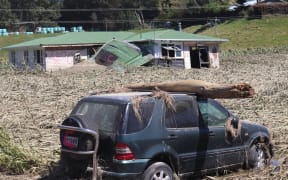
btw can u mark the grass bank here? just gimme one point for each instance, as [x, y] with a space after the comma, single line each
[267, 32]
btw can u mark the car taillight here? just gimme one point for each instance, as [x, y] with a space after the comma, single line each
[123, 152]
[69, 140]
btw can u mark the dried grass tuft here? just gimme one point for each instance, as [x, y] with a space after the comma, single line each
[168, 100]
[136, 101]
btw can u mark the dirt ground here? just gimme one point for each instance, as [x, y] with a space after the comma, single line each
[33, 104]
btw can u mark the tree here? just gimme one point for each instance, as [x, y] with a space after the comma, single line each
[6, 16]
[31, 13]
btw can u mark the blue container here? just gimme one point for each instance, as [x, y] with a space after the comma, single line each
[79, 28]
[28, 33]
[73, 29]
[44, 32]
[63, 29]
[1, 30]
[5, 33]
[4, 30]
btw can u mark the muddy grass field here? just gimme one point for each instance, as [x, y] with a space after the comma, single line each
[33, 104]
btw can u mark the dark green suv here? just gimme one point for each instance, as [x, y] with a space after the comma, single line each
[141, 135]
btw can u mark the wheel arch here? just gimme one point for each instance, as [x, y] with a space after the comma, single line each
[258, 138]
[168, 158]
[262, 139]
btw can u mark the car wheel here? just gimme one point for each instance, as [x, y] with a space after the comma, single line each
[257, 156]
[158, 171]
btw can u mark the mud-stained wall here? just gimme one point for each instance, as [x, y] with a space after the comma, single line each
[61, 59]
[214, 56]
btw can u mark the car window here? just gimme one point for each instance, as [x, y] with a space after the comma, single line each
[100, 116]
[135, 123]
[212, 113]
[185, 115]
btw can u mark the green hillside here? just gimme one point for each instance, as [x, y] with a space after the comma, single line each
[268, 32]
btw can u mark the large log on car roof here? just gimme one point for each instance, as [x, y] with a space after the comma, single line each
[201, 88]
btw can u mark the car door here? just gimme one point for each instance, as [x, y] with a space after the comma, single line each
[183, 134]
[224, 151]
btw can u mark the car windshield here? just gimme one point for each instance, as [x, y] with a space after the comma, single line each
[100, 116]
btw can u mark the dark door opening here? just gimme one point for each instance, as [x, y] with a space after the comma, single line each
[199, 57]
[194, 57]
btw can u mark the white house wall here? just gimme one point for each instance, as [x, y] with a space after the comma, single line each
[213, 52]
[214, 56]
[61, 59]
[187, 58]
[157, 50]
[19, 57]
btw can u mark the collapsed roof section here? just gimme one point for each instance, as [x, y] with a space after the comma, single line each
[119, 55]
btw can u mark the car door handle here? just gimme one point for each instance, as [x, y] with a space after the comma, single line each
[172, 136]
[211, 133]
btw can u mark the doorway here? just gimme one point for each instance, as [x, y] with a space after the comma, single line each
[199, 56]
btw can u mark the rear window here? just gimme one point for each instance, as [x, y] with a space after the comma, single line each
[100, 116]
[137, 121]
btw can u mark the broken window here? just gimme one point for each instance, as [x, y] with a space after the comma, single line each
[38, 59]
[171, 50]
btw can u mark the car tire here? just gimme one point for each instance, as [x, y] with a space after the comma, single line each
[158, 170]
[257, 156]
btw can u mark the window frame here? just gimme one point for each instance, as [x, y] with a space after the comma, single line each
[38, 60]
[194, 106]
[217, 106]
[172, 48]
[151, 104]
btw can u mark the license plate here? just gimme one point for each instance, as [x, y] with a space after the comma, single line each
[70, 141]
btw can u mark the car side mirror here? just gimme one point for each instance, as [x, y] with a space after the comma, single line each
[235, 122]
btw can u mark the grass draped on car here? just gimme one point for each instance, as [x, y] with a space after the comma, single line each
[12, 159]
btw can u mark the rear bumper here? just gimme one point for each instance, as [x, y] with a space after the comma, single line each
[127, 169]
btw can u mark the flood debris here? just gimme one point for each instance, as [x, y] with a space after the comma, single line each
[168, 100]
[120, 55]
[201, 88]
[232, 131]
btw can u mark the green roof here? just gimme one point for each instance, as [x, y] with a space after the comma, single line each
[82, 38]
[75, 38]
[172, 35]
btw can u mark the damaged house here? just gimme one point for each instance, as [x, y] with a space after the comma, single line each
[167, 47]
